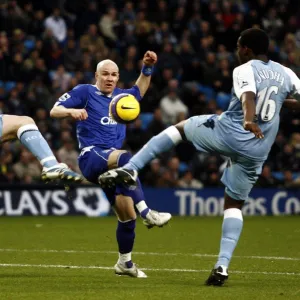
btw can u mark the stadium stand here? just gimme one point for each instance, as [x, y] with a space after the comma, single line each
[48, 47]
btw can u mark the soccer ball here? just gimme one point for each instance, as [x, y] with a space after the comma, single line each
[124, 108]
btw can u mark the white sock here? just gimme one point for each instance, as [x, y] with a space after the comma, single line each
[124, 257]
[141, 206]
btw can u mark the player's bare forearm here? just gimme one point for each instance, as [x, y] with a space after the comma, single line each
[291, 104]
[143, 82]
[60, 112]
[63, 112]
[248, 102]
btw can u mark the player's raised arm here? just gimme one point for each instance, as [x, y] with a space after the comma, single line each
[143, 82]
[71, 104]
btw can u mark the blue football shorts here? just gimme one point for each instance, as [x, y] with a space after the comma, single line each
[241, 173]
[93, 161]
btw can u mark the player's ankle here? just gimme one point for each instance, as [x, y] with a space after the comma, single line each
[129, 264]
[145, 212]
[142, 208]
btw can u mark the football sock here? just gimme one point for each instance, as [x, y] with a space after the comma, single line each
[142, 208]
[231, 230]
[137, 195]
[33, 140]
[125, 238]
[158, 144]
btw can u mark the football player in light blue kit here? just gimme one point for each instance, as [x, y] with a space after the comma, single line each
[244, 133]
[24, 128]
[100, 139]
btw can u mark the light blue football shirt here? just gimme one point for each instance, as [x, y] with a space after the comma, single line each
[272, 83]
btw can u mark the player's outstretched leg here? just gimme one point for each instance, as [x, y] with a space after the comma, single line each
[128, 174]
[150, 217]
[231, 230]
[25, 129]
[125, 238]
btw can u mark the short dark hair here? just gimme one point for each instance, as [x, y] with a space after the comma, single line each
[255, 39]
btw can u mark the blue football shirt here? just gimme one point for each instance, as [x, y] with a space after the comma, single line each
[99, 129]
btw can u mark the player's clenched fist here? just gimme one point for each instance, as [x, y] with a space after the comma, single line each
[150, 58]
[254, 128]
[79, 114]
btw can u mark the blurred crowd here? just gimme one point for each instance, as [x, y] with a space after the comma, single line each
[48, 47]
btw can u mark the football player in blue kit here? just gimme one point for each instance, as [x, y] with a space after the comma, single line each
[244, 133]
[100, 139]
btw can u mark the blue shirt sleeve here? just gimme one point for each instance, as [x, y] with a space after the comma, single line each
[76, 98]
[135, 91]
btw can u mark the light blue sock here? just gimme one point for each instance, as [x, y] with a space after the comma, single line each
[158, 144]
[231, 230]
[33, 140]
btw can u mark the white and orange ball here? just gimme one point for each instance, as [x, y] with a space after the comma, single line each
[124, 108]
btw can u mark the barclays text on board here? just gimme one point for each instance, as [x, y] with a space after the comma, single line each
[91, 201]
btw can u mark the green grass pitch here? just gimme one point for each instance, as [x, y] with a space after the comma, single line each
[72, 258]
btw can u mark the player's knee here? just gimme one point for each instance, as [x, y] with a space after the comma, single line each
[180, 128]
[124, 158]
[13, 125]
[23, 124]
[25, 120]
[128, 212]
[125, 215]
[232, 203]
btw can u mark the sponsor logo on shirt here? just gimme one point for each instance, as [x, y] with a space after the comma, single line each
[107, 121]
[242, 83]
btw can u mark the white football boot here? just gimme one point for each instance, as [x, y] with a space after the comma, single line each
[134, 271]
[60, 171]
[155, 218]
